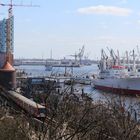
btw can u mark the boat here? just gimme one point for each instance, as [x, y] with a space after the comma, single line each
[48, 68]
[49, 65]
[114, 77]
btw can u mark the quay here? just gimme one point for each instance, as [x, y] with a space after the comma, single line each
[53, 62]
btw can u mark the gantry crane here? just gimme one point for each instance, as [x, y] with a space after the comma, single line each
[9, 55]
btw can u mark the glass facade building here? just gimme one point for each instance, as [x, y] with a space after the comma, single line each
[3, 35]
[6, 39]
[4, 31]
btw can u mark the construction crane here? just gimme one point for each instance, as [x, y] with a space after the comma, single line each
[11, 5]
[9, 56]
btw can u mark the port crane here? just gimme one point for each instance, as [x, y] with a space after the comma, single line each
[115, 58]
[9, 55]
[138, 50]
[103, 63]
[79, 55]
[75, 56]
[86, 56]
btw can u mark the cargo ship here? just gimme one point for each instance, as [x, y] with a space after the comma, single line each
[115, 77]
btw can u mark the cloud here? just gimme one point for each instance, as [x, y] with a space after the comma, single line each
[106, 10]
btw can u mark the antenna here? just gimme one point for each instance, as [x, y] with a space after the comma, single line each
[9, 56]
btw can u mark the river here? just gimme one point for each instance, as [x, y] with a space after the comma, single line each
[81, 71]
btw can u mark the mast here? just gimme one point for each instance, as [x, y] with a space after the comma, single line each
[134, 61]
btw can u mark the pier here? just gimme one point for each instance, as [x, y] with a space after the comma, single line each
[53, 63]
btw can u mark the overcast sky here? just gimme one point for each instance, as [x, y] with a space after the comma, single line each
[65, 25]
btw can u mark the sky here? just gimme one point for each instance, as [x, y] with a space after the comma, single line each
[64, 26]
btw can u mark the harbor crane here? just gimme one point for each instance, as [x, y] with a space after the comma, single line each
[9, 56]
[114, 56]
[138, 50]
[86, 56]
[79, 55]
[103, 63]
[75, 56]
[103, 55]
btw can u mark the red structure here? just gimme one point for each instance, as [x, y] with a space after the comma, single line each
[8, 76]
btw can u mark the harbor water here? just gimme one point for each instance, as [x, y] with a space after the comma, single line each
[39, 70]
[81, 72]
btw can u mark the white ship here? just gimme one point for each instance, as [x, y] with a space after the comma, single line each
[115, 77]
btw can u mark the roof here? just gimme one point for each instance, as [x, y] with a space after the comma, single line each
[26, 100]
[7, 67]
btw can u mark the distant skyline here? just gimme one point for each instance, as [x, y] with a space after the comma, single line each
[64, 26]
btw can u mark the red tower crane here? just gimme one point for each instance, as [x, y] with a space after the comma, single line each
[9, 55]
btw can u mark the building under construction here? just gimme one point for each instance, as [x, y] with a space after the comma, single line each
[6, 40]
[7, 72]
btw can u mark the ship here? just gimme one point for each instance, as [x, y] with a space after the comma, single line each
[48, 68]
[116, 77]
